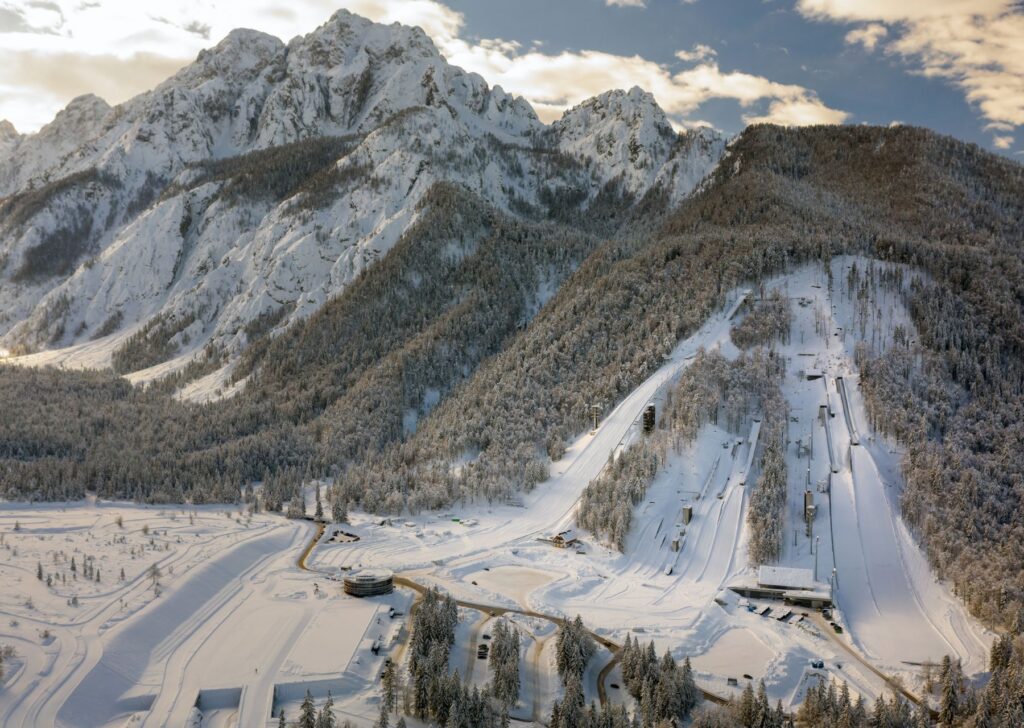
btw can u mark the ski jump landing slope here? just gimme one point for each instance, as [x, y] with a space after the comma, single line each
[896, 610]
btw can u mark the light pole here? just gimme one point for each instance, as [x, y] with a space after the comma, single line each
[817, 547]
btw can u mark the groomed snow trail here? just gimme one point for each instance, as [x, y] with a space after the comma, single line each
[140, 647]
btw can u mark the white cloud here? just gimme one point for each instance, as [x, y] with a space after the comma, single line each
[47, 81]
[1002, 142]
[53, 51]
[104, 39]
[554, 82]
[698, 53]
[977, 45]
[801, 111]
[626, 3]
[867, 35]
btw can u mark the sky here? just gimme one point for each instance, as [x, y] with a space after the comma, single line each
[956, 66]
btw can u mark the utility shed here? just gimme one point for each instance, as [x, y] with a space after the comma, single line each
[781, 577]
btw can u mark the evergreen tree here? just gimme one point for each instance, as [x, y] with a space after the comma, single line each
[389, 688]
[307, 712]
[339, 513]
[952, 678]
[504, 663]
[326, 717]
[574, 648]
[688, 688]
[747, 705]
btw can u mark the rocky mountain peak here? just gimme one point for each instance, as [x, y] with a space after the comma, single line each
[240, 57]
[627, 136]
[82, 112]
[9, 137]
[7, 130]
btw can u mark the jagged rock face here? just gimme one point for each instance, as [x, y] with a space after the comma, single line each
[114, 216]
[9, 138]
[351, 75]
[251, 91]
[627, 136]
[28, 157]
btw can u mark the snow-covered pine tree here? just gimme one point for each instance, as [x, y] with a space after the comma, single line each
[307, 712]
[389, 687]
[325, 719]
[339, 513]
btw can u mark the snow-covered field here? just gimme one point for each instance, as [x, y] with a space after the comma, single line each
[231, 629]
[228, 622]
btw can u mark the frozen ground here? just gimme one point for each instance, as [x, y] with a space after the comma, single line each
[232, 630]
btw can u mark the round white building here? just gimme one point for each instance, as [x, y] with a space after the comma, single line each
[369, 583]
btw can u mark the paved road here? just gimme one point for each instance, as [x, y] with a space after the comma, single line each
[496, 611]
[896, 686]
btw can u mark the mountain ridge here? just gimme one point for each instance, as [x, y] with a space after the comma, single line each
[130, 250]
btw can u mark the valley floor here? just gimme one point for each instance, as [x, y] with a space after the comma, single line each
[232, 628]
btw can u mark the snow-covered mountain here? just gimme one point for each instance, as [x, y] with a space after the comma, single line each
[262, 178]
[626, 135]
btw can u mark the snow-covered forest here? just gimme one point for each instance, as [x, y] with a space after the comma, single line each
[770, 319]
[606, 506]
[712, 389]
[948, 398]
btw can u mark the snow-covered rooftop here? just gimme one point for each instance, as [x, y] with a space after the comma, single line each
[786, 577]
